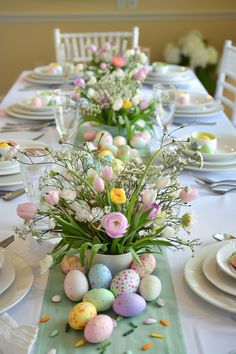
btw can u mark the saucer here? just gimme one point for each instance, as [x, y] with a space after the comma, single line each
[222, 258]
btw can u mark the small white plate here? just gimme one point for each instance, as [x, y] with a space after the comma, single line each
[42, 71]
[226, 149]
[11, 111]
[216, 276]
[173, 71]
[198, 101]
[222, 258]
[1, 257]
[25, 104]
[21, 285]
[7, 273]
[201, 286]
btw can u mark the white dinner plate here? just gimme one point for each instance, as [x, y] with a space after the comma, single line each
[14, 113]
[169, 80]
[42, 71]
[1, 257]
[212, 110]
[201, 286]
[173, 71]
[7, 273]
[12, 170]
[36, 80]
[39, 114]
[222, 258]
[226, 149]
[25, 104]
[21, 285]
[213, 168]
[216, 276]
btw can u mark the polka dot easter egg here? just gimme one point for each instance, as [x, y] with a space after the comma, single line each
[99, 276]
[80, 314]
[98, 329]
[126, 281]
[147, 267]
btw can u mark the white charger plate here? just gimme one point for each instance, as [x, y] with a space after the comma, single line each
[21, 285]
[7, 273]
[201, 286]
[1, 257]
[226, 149]
[14, 113]
[216, 276]
[222, 258]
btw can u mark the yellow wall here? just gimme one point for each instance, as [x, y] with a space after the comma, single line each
[26, 26]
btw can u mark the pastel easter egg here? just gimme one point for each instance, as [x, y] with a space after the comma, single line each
[126, 281]
[80, 315]
[75, 285]
[129, 304]
[89, 135]
[150, 287]
[137, 142]
[98, 329]
[106, 154]
[102, 299]
[119, 141]
[99, 276]
[112, 148]
[72, 263]
[36, 102]
[103, 137]
[124, 153]
[147, 266]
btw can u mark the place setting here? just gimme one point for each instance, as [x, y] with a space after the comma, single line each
[211, 274]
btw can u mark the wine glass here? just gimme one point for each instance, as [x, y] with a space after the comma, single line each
[165, 97]
[66, 113]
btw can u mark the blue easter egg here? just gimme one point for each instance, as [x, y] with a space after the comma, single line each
[99, 276]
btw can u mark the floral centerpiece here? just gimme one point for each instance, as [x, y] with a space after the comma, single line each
[194, 51]
[109, 207]
[116, 101]
[133, 62]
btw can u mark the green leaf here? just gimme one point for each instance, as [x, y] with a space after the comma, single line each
[83, 250]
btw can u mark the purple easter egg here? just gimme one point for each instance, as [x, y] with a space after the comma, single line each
[129, 304]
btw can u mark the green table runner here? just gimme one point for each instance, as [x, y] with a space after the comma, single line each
[64, 341]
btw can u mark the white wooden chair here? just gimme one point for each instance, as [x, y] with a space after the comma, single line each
[73, 47]
[226, 82]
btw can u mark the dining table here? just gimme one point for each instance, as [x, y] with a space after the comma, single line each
[208, 328]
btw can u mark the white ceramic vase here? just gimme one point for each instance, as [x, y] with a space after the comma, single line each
[115, 263]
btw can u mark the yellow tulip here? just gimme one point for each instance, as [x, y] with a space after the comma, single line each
[127, 104]
[118, 195]
[3, 144]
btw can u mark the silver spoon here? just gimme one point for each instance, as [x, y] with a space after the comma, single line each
[223, 237]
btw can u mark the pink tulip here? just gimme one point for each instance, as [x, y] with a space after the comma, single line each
[154, 211]
[92, 48]
[26, 211]
[118, 61]
[149, 197]
[80, 82]
[103, 66]
[141, 74]
[143, 104]
[52, 197]
[115, 224]
[107, 173]
[188, 195]
[98, 184]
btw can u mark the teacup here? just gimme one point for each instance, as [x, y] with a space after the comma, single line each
[207, 142]
[159, 67]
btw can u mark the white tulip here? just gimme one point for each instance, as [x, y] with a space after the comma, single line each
[117, 105]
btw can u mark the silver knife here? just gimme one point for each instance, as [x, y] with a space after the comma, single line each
[7, 241]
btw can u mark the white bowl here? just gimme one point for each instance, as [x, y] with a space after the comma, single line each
[222, 258]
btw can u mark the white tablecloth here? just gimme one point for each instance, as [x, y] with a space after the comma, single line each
[206, 328]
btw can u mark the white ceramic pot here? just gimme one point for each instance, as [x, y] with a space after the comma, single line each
[115, 263]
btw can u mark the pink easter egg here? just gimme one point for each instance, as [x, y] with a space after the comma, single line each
[148, 264]
[72, 263]
[90, 135]
[36, 102]
[98, 329]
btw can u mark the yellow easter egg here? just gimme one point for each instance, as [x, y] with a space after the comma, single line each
[80, 314]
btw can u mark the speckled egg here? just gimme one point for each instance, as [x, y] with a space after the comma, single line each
[72, 263]
[80, 314]
[98, 329]
[75, 285]
[150, 287]
[148, 264]
[126, 281]
[124, 153]
[99, 276]
[102, 299]
[119, 141]
[129, 304]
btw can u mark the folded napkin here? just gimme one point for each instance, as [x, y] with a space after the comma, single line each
[15, 339]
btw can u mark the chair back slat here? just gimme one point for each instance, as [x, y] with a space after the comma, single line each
[226, 82]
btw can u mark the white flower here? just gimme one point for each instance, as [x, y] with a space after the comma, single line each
[143, 58]
[163, 182]
[117, 105]
[129, 53]
[45, 264]
[141, 123]
[212, 55]
[91, 172]
[135, 100]
[92, 81]
[91, 146]
[79, 67]
[121, 120]
[91, 92]
[68, 194]
[119, 73]
[83, 215]
[188, 220]
[172, 54]
[169, 232]
[149, 197]
[199, 58]
[107, 209]
[190, 44]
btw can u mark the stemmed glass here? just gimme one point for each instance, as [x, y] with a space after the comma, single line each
[66, 113]
[165, 97]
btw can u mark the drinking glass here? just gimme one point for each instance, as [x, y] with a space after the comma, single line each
[165, 97]
[66, 113]
[33, 159]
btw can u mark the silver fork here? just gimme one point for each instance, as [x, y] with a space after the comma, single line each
[211, 182]
[32, 128]
[193, 123]
[216, 191]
